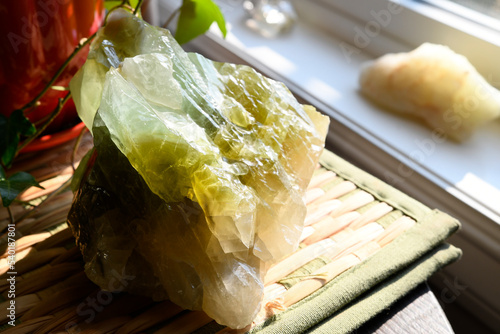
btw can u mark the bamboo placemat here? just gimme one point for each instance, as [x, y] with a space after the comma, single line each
[351, 218]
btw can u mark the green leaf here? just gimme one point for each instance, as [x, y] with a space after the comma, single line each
[11, 187]
[109, 4]
[21, 123]
[4, 136]
[11, 130]
[196, 17]
[133, 3]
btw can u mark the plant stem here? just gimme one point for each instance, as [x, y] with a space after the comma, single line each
[33, 102]
[11, 216]
[53, 115]
[138, 7]
[171, 17]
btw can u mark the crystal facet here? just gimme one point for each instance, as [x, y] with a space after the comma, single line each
[195, 186]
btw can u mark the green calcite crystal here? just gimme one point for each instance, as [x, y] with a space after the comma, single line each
[196, 183]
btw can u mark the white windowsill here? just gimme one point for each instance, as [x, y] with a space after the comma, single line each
[312, 61]
[462, 179]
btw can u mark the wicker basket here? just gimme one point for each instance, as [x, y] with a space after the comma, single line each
[362, 239]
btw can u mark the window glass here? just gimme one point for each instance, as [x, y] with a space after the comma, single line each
[487, 7]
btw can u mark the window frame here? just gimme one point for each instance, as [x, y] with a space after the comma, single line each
[357, 21]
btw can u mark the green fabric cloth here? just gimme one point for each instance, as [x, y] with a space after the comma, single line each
[363, 291]
[385, 294]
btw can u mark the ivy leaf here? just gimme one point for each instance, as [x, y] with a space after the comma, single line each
[21, 123]
[14, 185]
[196, 16]
[11, 130]
[109, 4]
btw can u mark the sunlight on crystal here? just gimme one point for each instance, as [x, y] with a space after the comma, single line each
[189, 152]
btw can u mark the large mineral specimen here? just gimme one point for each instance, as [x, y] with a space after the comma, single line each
[435, 84]
[196, 182]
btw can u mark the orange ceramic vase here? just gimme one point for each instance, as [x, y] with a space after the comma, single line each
[36, 37]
